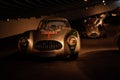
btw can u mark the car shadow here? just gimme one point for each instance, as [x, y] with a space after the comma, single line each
[17, 56]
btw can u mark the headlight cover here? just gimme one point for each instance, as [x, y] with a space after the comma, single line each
[23, 43]
[72, 40]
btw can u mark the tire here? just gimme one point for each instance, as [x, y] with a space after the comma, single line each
[74, 56]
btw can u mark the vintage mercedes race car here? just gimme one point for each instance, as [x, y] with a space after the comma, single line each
[53, 37]
[94, 28]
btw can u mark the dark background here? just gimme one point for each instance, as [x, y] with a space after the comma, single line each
[99, 59]
[17, 16]
[71, 9]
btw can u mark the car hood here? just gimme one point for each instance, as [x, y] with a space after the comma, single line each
[50, 35]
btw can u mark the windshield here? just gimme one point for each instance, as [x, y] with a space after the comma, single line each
[53, 25]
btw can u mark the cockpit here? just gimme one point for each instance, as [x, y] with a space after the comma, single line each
[53, 25]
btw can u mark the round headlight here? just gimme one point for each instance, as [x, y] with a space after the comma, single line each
[23, 43]
[72, 40]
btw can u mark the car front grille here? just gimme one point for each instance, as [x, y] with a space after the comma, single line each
[48, 45]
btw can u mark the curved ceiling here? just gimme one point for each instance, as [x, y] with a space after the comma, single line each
[23, 8]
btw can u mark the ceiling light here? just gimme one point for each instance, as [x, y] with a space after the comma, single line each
[85, 0]
[8, 20]
[86, 8]
[103, 1]
[85, 21]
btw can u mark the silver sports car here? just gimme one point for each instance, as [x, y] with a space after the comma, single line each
[53, 37]
[94, 27]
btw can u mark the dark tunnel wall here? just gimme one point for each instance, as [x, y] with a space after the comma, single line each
[13, 26]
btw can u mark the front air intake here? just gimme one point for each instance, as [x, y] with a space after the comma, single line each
[46, 45]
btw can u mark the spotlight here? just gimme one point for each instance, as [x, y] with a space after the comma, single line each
[86, 8]
[103, 1]
[85, 0]
[8, 20]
